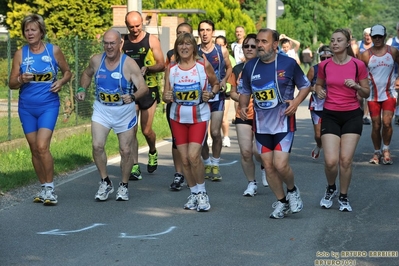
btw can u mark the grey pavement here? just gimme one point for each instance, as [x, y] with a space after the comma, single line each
[152, 228]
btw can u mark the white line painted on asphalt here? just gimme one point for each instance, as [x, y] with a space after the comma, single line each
[152, 236]
[230, 163]
[57, 232]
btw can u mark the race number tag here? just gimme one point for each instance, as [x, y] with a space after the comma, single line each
[187, 94]
[266, 97]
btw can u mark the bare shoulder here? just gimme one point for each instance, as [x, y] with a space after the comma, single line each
[154, 41]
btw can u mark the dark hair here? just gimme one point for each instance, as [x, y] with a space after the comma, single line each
[284, 41]
[275, 34]
[223, 38]
[34, 18]
[347, 35]
[248, 37]
[185, 37]
[186, 25]
[207, 21]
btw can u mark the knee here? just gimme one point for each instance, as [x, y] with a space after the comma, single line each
[246, 155]
[98, 148]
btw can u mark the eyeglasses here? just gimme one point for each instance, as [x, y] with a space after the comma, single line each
[246, 46]
[112, 44]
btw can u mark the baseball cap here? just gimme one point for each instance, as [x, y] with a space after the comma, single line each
[378, 30]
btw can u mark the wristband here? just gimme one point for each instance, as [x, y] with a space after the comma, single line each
[19, 80]
[81, 89]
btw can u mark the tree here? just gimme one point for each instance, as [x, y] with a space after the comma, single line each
[226, 14]
[85, 19]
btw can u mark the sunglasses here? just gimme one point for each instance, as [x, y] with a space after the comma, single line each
[324, 58]
[246, 46]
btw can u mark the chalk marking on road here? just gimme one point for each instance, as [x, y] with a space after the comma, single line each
[152, 236]
[57, 232]
[230, 163]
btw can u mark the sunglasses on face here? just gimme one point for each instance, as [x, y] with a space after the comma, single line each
[324, 58]
[246, 46]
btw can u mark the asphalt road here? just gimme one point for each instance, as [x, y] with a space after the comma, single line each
[152, 228]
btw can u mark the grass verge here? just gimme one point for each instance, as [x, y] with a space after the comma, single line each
[69, 154]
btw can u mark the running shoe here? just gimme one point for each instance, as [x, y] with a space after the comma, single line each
[316, 152]
[280, 210]
[209, 141]
[344, 204]
[178, 182]
[386, 157]
[39, 197]
[191, 203]
[376, 158]
[327, 200]
[264, 180]
[216, 173]
[122, 193]
[136, 173]
[203, 202]
[295, 201]
[152, 162]
[103, 191]
[251, 189]
[208, 170]
[50, 197]
[226, 142]
[366, 121]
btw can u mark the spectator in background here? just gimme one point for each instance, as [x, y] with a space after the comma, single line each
[290, 47]
[236, 47]
[221, 40]
[34, 73]
[394, 42]
[307, 57]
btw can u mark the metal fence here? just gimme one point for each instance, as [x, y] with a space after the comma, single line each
[77, 53]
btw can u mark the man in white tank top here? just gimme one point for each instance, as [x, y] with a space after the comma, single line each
[380, 60]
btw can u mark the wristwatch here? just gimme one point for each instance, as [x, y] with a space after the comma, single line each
[214, 94]
[133, 97]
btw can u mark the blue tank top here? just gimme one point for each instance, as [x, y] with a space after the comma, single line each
[44, 68]
[111, 84]
[396, 45]
[216, 59]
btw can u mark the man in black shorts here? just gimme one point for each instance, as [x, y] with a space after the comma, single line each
[145, 49]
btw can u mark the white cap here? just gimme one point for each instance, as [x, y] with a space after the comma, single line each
[378, 30]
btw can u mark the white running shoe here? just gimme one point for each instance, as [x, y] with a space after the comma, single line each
[344, 205]
[226, 142]
[50, 198]
[295, 201]
[264, 180]
[39, 197]
[103, 191]
[122, 193]
[203, 202]
[327, 200]
[316, 152]
[191, 203]
[280, 210]
[251, 189]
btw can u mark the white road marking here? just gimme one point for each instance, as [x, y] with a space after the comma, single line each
[57, 232]
[152, 236]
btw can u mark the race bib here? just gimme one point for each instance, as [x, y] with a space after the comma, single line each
[267, 96]
[187, 94]
[109, 97]
[43, 77]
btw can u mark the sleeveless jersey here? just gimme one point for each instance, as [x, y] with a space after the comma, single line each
[315, 103]
[381, 76]
[395, 43]
[44, 68]
[270, 85]
[188, 85]
[141, 52]
[236, 81]
[216, 59]
[111, 84]
[362, 49]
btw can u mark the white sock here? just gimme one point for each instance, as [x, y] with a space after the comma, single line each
[215, 161]
[207, 161]
[201, 188]
[385, 147]
[194, 189]
[49, 184]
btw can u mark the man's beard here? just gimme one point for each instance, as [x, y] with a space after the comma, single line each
[266, 55]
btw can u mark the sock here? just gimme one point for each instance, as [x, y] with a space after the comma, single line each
[126, 185]
[385, 147]
[332, 187]
[194, 189]
[343, 196]
[201, 188]
[107, 180]
[207, 161]
[377, 151]
[153, 152]
[49, 184]
[291, 190]
[283, 200]
[215, 161]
